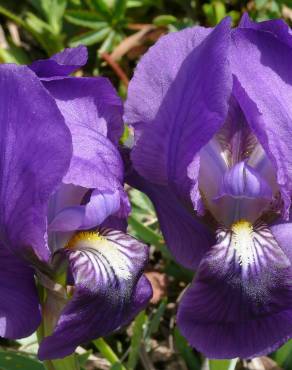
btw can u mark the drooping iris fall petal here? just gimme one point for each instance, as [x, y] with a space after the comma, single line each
[240, 302]
[109, 289]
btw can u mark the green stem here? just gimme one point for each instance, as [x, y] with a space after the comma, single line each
[52, 304]
[66, 363]
[107, 352]
[8, 14]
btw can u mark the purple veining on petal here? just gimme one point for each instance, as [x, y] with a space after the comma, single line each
[242, 290]
[89, 102]
[109, 289]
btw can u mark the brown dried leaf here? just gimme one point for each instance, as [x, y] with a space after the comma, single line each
[287, 12]
[159, 284]
[130, 42]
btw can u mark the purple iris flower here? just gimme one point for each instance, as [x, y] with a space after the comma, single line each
[211, 108]
[62, 199]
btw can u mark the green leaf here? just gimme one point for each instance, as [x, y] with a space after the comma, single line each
[219, 11]
[108, 43]
[87, 19]
[185, 351]
[222, 364]
[235, 15]
[117, 366]
[37, 23]
[164, 20]
[148, 235]
[66, 363]
[141, 200]
[107, 352]
[14, 55]
[261, 3]
[144, 3]
[38, 5]
[283, 356]
[75, 2]
[10, 360]
[8, 14]
[214, 12]
[90, 38]
[43, 33]
[55, 15]
[135, 3]
[52, 11]
[137, 337]
[82, 359]
[102, 7]
[119, 9]
[154, 320]
[126, 133]
[153, 323]
[40, 30]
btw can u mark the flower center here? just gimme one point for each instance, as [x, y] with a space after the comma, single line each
[84, 237]
[236, 178]
[243, 242]
[248, 248]
[105, 250]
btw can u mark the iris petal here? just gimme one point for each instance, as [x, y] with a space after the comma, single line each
[91, 103]
[265, 98]
[277, 27]
[91, 110]
[242, 181]
[186, 236]
[81, 217]
[243, 194]
[60, 64]
[109, 290]
[174, 118]
[93, 113]
[35, 150]
[19, 308]
[240, 302]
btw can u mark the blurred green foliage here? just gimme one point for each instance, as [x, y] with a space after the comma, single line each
[33, 29]
[117, 33]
